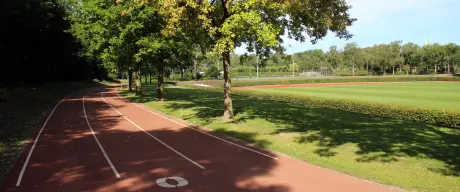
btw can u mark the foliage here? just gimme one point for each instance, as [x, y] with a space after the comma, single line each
[257, 23]
[343, 80]
[212, 73]
[34, 47]
[376, 60]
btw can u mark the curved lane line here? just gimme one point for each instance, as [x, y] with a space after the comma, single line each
[18, 183]
[166, 145]
[150, 111]
[98, 143]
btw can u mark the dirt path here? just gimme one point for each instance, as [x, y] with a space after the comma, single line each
[123, 146]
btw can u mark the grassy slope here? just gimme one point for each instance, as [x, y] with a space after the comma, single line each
[23, 111]
[423, 94]
[407, 154]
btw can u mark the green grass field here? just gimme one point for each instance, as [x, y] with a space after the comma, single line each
[411, 155]
[423, 94]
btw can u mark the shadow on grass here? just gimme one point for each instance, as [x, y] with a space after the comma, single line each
[378, 139]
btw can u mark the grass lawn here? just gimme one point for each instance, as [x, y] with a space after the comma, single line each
[22, 111]
[411, 155]
[423, 94]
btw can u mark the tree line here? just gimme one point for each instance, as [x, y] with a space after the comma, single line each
[381, 59]
[157, 37]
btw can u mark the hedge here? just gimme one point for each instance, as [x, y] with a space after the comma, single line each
[444, 117]
[346, 79]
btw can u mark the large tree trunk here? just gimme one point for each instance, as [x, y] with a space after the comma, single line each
[160, 88]
[130, 80]
[393, 70]
[384, 71]
[436, 69]
[138, 80]
[448, 68]
[228, 106]
[181, 74]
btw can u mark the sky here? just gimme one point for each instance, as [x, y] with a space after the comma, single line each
[384, 21]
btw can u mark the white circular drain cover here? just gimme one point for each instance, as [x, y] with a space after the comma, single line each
[180, 182]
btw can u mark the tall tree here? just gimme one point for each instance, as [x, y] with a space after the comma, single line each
[396, 55]
[110, 30]
[259, 24]
[351, 53]
[451, 52]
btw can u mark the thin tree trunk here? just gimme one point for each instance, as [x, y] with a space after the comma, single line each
[181, 74]
[160, 88]
[448, 68]
[353, 69]
[130, 80]
[228, 105]
[393, 70]
[384, 71]
[195, 70]
[150, 77]
[145, 78]
[400, 68]
[436, 69]
[138, 80]
[367, 68]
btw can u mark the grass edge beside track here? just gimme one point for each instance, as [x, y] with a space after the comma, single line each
[205, 113]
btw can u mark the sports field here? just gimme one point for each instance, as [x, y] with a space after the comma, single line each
[424, 94]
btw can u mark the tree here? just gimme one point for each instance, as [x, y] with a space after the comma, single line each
[333, 57]
[259, 24]
[351, 53]
[452, 51]
[396, 55]
[433, 56]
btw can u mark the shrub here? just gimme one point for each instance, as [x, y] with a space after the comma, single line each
[212, 73]
[444, 117]
[347, 79]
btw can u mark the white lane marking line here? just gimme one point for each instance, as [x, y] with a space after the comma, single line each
[150, 111]
[97, 140]
[166, 145]
[21, 174]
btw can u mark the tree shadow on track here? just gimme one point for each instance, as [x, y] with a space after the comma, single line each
[377, 139]
[67, 158]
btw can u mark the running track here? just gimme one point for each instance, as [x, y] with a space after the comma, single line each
[98, 141]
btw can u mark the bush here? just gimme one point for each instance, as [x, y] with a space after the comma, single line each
[347, 79]
[212, 73]
[444, 117]
[401, 73]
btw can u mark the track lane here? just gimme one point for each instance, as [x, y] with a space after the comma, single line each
[65, 158]
[237, 168]
[139, 159]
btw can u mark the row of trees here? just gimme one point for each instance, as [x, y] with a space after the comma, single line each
[381, 59]
[157, 35]
[35, 48]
